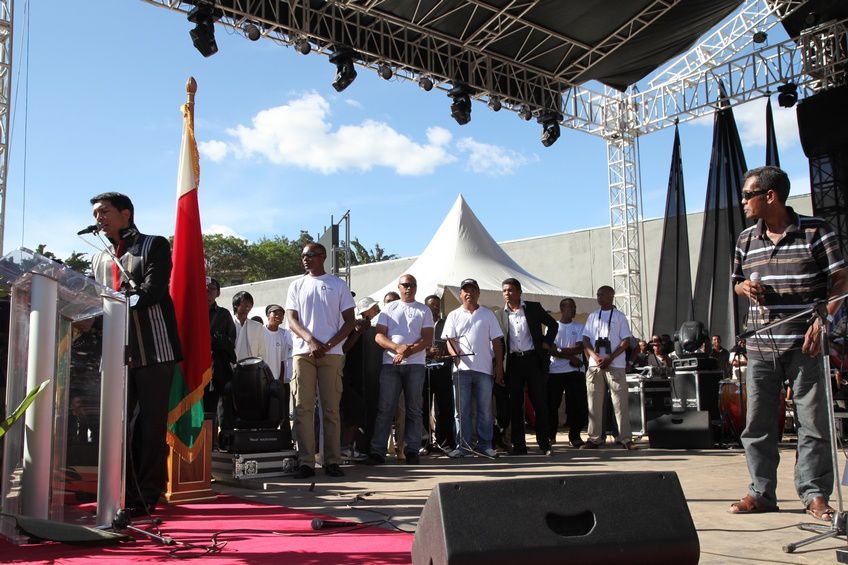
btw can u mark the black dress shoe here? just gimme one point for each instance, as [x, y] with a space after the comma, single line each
[304, 472]
[374, 459]
[333, 470]
[518, 451]
[412, 458]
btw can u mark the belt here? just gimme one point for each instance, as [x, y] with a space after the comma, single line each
[523, 353]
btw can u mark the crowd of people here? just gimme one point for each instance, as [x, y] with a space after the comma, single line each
[468, 382]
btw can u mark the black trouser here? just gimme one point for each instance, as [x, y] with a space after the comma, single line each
[527, 369]
[148, 390]
[438, 385]
[286, 410]
[576, 403]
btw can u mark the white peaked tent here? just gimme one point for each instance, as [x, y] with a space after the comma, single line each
[462, 248]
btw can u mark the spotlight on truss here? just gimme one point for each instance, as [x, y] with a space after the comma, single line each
[788, 95]
[760, 37]
[550, 127]
[345, 72]
[203, 17]
[385, 71]
[425, 83]
[461, 105]
[525, 114]
[302, 46]
[495, 104]
[251, 31]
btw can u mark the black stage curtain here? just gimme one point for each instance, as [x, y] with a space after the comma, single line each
[772, 158]
[716, 305]
[673, 305]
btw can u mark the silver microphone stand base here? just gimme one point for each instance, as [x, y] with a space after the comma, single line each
[834, 530]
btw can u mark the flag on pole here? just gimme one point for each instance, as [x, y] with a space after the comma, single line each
[188, 291]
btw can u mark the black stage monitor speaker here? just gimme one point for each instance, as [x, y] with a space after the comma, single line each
[599, 518]
[681, 430]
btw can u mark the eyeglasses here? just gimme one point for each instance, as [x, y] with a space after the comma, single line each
[408, 285]
[312, 254]
[748, 195]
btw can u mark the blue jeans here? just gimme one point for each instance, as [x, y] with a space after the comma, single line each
[393, 379]
[813, 466]
[476, 387]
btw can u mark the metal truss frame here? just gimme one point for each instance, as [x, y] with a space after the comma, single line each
[6, 12]
[683, 90]
[829, 196]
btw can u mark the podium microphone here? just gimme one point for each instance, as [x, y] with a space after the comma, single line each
[319, 524]
[755, 278]
[93, 228]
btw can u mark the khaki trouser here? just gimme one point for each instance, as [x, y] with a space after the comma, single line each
[597, 381]
[311, 375]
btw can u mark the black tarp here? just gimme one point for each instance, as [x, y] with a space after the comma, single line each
[673, 305]
[716, 305]
[772, 158]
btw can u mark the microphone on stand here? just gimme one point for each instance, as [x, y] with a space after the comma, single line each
[755, 278]
[93, 228]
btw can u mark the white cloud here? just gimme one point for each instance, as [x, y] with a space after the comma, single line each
[221, 229]
[490, 159]
[300, 134]
[353, 103]
[213, 150]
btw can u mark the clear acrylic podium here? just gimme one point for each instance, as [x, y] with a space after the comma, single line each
[64, 460]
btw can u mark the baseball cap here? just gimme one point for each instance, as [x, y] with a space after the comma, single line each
[272, 308]
[470, 282]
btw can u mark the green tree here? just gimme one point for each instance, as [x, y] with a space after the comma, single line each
[79, 262]
[226, 258]
[361, 255]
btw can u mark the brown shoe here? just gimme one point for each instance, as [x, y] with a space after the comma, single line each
[819, 509]
[749, 505]
[590, 445]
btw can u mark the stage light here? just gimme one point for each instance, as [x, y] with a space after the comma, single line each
[302, 46]
[525, 114]
[425, 83]
[345, 72]
[550, 127]
[495, 104]
[203, 34]
[461, 105]
[251, 31]
[760, 37]
[385, 71]
[788, 95]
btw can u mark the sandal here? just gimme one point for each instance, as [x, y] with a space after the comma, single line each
[819, 509]
[749, 505]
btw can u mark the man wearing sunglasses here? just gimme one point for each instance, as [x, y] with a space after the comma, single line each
[405, 331]
[320, 310]
[798, 261]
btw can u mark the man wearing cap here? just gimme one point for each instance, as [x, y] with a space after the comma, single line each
[278, 344]
[319, 309]
[526, 363]
[250, 334]
[475, 340]
[360, 377]
[223, 332]
[405, 331]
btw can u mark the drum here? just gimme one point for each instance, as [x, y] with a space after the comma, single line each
[733, 403]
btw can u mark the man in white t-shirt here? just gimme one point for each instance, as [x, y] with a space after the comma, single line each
[475, 341]
[404, 331]
[278, 350]
[567, 375]
[606, 335]
[320, 310]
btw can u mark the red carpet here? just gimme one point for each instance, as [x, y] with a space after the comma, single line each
[195, 524]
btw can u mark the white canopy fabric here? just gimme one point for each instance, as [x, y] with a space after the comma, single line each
[462, 248]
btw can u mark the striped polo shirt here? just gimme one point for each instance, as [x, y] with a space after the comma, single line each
[795, 272]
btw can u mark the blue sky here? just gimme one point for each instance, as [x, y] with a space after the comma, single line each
[96, 108]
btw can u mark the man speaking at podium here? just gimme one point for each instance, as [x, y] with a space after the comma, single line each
[783, 264]
[154, 343]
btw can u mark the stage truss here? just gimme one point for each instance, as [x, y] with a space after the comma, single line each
[682, 90]
[6, 7]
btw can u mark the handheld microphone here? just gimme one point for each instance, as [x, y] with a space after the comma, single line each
[319, 524]
[755, 278]
[93, 228]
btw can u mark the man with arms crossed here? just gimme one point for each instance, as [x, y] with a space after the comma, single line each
[405, 331]
[799, 262]
[319, 308]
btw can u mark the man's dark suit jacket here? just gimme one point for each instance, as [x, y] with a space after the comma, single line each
[536, 318]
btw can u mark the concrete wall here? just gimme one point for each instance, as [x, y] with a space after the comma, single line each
[579, 261]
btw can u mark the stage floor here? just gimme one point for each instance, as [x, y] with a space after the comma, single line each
[711, 480]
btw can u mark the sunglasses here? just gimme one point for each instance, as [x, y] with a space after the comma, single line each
[748, 195]
[408, 285]
[311, 254]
